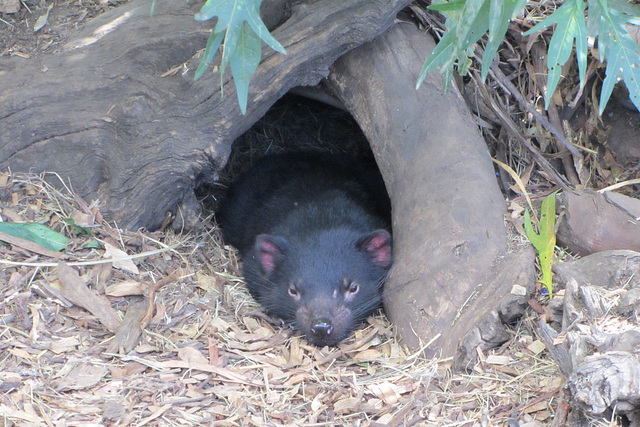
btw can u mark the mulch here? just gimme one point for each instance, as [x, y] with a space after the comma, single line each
[139, 328]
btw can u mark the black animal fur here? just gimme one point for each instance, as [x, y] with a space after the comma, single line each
[312, 231]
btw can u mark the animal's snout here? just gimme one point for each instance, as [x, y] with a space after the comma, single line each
[321, 328]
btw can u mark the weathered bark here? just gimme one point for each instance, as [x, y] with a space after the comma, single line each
[102, 116]
[448, 213]
[595, 338]
[607, 381]
[610, 269]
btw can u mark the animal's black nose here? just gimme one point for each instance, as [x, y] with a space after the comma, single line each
[321, 328]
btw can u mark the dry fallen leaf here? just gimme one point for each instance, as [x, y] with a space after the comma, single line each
[347, 405]
[63, 345]
[20, 353]
[124, 288]
[367, 355]
[386, 392]
[120, 258]
[82, 219]
[208, 283]
[83, 375]
[7, 412]
[75, 290]
[192, 355]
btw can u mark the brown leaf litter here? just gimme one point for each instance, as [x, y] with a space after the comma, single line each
[158, 329]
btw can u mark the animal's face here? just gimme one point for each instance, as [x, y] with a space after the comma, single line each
[326, 284]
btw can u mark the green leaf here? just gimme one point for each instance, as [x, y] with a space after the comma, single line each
[229, 47]
[545, 241]
[36, 233]
[223, 9]
[209, 52]
[240, 25]
[77, 229]
[500, 14]
[244, 62]
[452, 6]
[473, 24]
[571, 25]
[466, 26]
[92, 244]
[261, 30]
[624, 6]
[618, 49]
[441, 55]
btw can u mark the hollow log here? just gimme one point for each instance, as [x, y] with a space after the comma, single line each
[451, 280]
[117, 115]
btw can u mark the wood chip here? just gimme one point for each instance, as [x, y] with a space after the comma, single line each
[494, 359]
[76, 291]
[536, 347]
[347, 405]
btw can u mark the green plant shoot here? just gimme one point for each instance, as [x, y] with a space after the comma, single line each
[545, 241]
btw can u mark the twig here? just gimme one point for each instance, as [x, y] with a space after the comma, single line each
[153, 288]
[94, 262]
[521, 408]
[513, 129]
[504, 81]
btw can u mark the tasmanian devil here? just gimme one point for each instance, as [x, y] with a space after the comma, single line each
[312, 232]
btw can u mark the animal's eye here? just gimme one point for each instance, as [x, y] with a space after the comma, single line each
[293, 291]
[353, 288]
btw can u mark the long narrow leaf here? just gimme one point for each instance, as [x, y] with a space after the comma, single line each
[622, 55]
[261, 30]
[500, 14]
[547, 230]
[441, 56]
[36, 233]
[209, 52]
[223, 9]
[473, 9]
[244, 62]
[570, 26]
[451, 6]
[240, 25]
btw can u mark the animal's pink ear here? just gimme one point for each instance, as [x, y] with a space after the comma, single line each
[378, 246]
[270, 251]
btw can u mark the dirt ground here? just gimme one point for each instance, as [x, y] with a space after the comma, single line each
[206, 355]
